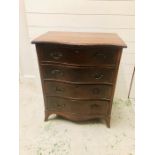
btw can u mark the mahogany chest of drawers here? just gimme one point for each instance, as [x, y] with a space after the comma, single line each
[78, 73]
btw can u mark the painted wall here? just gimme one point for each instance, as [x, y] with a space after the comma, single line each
[82, 15]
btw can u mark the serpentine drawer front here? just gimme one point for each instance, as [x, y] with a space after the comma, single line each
[71, 55]
[78, 90]
[77, 107]
[78, 73]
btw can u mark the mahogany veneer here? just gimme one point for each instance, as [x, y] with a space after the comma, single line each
[78, 73]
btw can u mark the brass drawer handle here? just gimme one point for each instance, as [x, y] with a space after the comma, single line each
[60, 105]
[76, 51]
[96, 91]
[59, 89]
[56, 55]
[57, 72]
[99, 54]
[98, 76]
[94, 105]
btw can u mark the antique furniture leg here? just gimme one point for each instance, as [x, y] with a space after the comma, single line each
[47, 114]
[108, 121]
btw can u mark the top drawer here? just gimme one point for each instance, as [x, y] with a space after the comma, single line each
[78, 55]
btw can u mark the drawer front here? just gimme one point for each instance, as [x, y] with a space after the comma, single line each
[78, 74]
[83, 91]
[85, 56]
[77, 107]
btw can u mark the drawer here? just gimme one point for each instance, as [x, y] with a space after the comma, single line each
[78, 55]
[87, 107]
[83, 91]
[78, 74]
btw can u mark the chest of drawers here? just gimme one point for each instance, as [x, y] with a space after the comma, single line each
[78, 73]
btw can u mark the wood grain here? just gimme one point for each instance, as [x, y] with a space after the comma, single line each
[81, 38]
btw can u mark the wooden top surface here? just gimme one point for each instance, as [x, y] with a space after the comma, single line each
[80, 38]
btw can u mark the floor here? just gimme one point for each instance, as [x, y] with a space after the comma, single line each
[61, 137]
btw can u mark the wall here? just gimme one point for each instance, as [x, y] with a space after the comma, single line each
[85, 15]
[26, 69]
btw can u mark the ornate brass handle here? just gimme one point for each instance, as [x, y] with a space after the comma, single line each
[94, 105]
[98, 76]
[57, 72]
[60, 105]
[56, 55]
[99, 54]
[76, 51]
[59, 89]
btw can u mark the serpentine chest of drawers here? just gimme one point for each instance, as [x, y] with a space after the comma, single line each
[78, 73]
